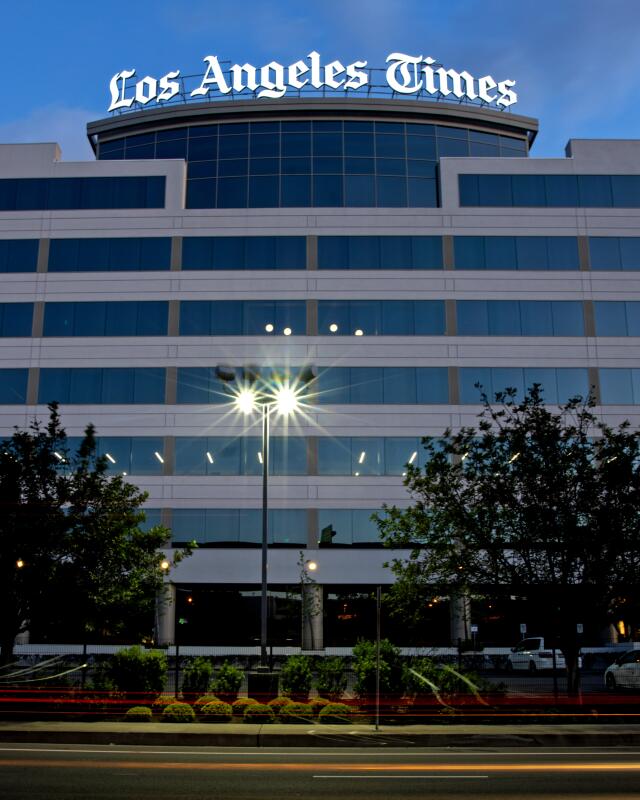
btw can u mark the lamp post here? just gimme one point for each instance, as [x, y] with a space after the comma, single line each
[282, 400]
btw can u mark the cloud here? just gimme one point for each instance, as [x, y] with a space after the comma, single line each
[61, 124]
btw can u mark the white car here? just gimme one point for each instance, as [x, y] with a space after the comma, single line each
[624, 673]
[532, 655]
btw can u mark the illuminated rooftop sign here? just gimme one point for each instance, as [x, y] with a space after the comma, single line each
[405, 76]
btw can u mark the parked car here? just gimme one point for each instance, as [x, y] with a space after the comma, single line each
[624, 673]
[532, 655]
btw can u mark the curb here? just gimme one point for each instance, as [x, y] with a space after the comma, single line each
[334, 737]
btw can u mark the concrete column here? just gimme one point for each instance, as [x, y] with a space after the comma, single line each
[451, 321]
[312, 318]
[43, 256]
[447, 252]
[460, 618]
[312, 617]
[584, 256]
[23, 638]
[608, 635]
[176, 253]
[37, 321]
[312, 252]
[171, 386]
[166, 614]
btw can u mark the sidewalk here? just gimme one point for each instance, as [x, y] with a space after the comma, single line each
[269, 736]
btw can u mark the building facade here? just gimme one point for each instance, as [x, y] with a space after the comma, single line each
[381, 255]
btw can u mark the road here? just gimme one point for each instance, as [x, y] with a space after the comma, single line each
[72, 771]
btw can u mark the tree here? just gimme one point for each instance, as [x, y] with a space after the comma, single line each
[531, 502]
[71, 544]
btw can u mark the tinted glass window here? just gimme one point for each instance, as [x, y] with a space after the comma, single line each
[581, 191]
[102, 385]
[51, 194]
[614, 253]
[380, 252]
[13, 386]
[617, 319]
[381, 318]
[110, 255]
[242, 317]
[516, 252]
[144, 318]
[314, 162]
[617, 386]
[18, 255]
[133, 455]
[519, 318]
[393, 385]
[557, 384]
[16, 319]
[213, 526]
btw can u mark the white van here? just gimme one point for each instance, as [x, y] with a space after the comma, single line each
[532, 655]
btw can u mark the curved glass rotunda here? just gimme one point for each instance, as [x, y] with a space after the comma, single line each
[312, 152]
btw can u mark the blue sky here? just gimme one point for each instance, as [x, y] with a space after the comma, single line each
[576, 62]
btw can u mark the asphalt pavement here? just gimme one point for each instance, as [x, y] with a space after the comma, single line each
[58, 772]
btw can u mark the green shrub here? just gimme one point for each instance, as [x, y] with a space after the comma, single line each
[318, 703]
[241, 704]
[335, 714]
[228, 680]
[259, 713]
[391, 668]
[203, 700]
[331, 676]
[197, 676]
[217, 711]
[449, 680]
[278, 702]
[178, 712]
[296, 676]
[161, 702]
[297, 713]
[134, 670]
[139, 714]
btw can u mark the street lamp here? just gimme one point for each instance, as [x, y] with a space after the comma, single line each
[283, 400]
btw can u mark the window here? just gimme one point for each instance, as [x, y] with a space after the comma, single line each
[614, 252]
[89, 385]
[243, 252]
[557, 384]
[520, 318]
[201, 385]
[361, 456]
[229, 526]
[110, 255]
[352, 526]
[219, 455]
[516, 252]
[13, 386]
[392, 385]
[53, 194]
[132, 455]
[553, 191]
[381, 317]
[18, 255]
[619, 386]
[380, 252]
[242, 317]
[617, 318]
[127, 318]
[15, 319]
[330, 163]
